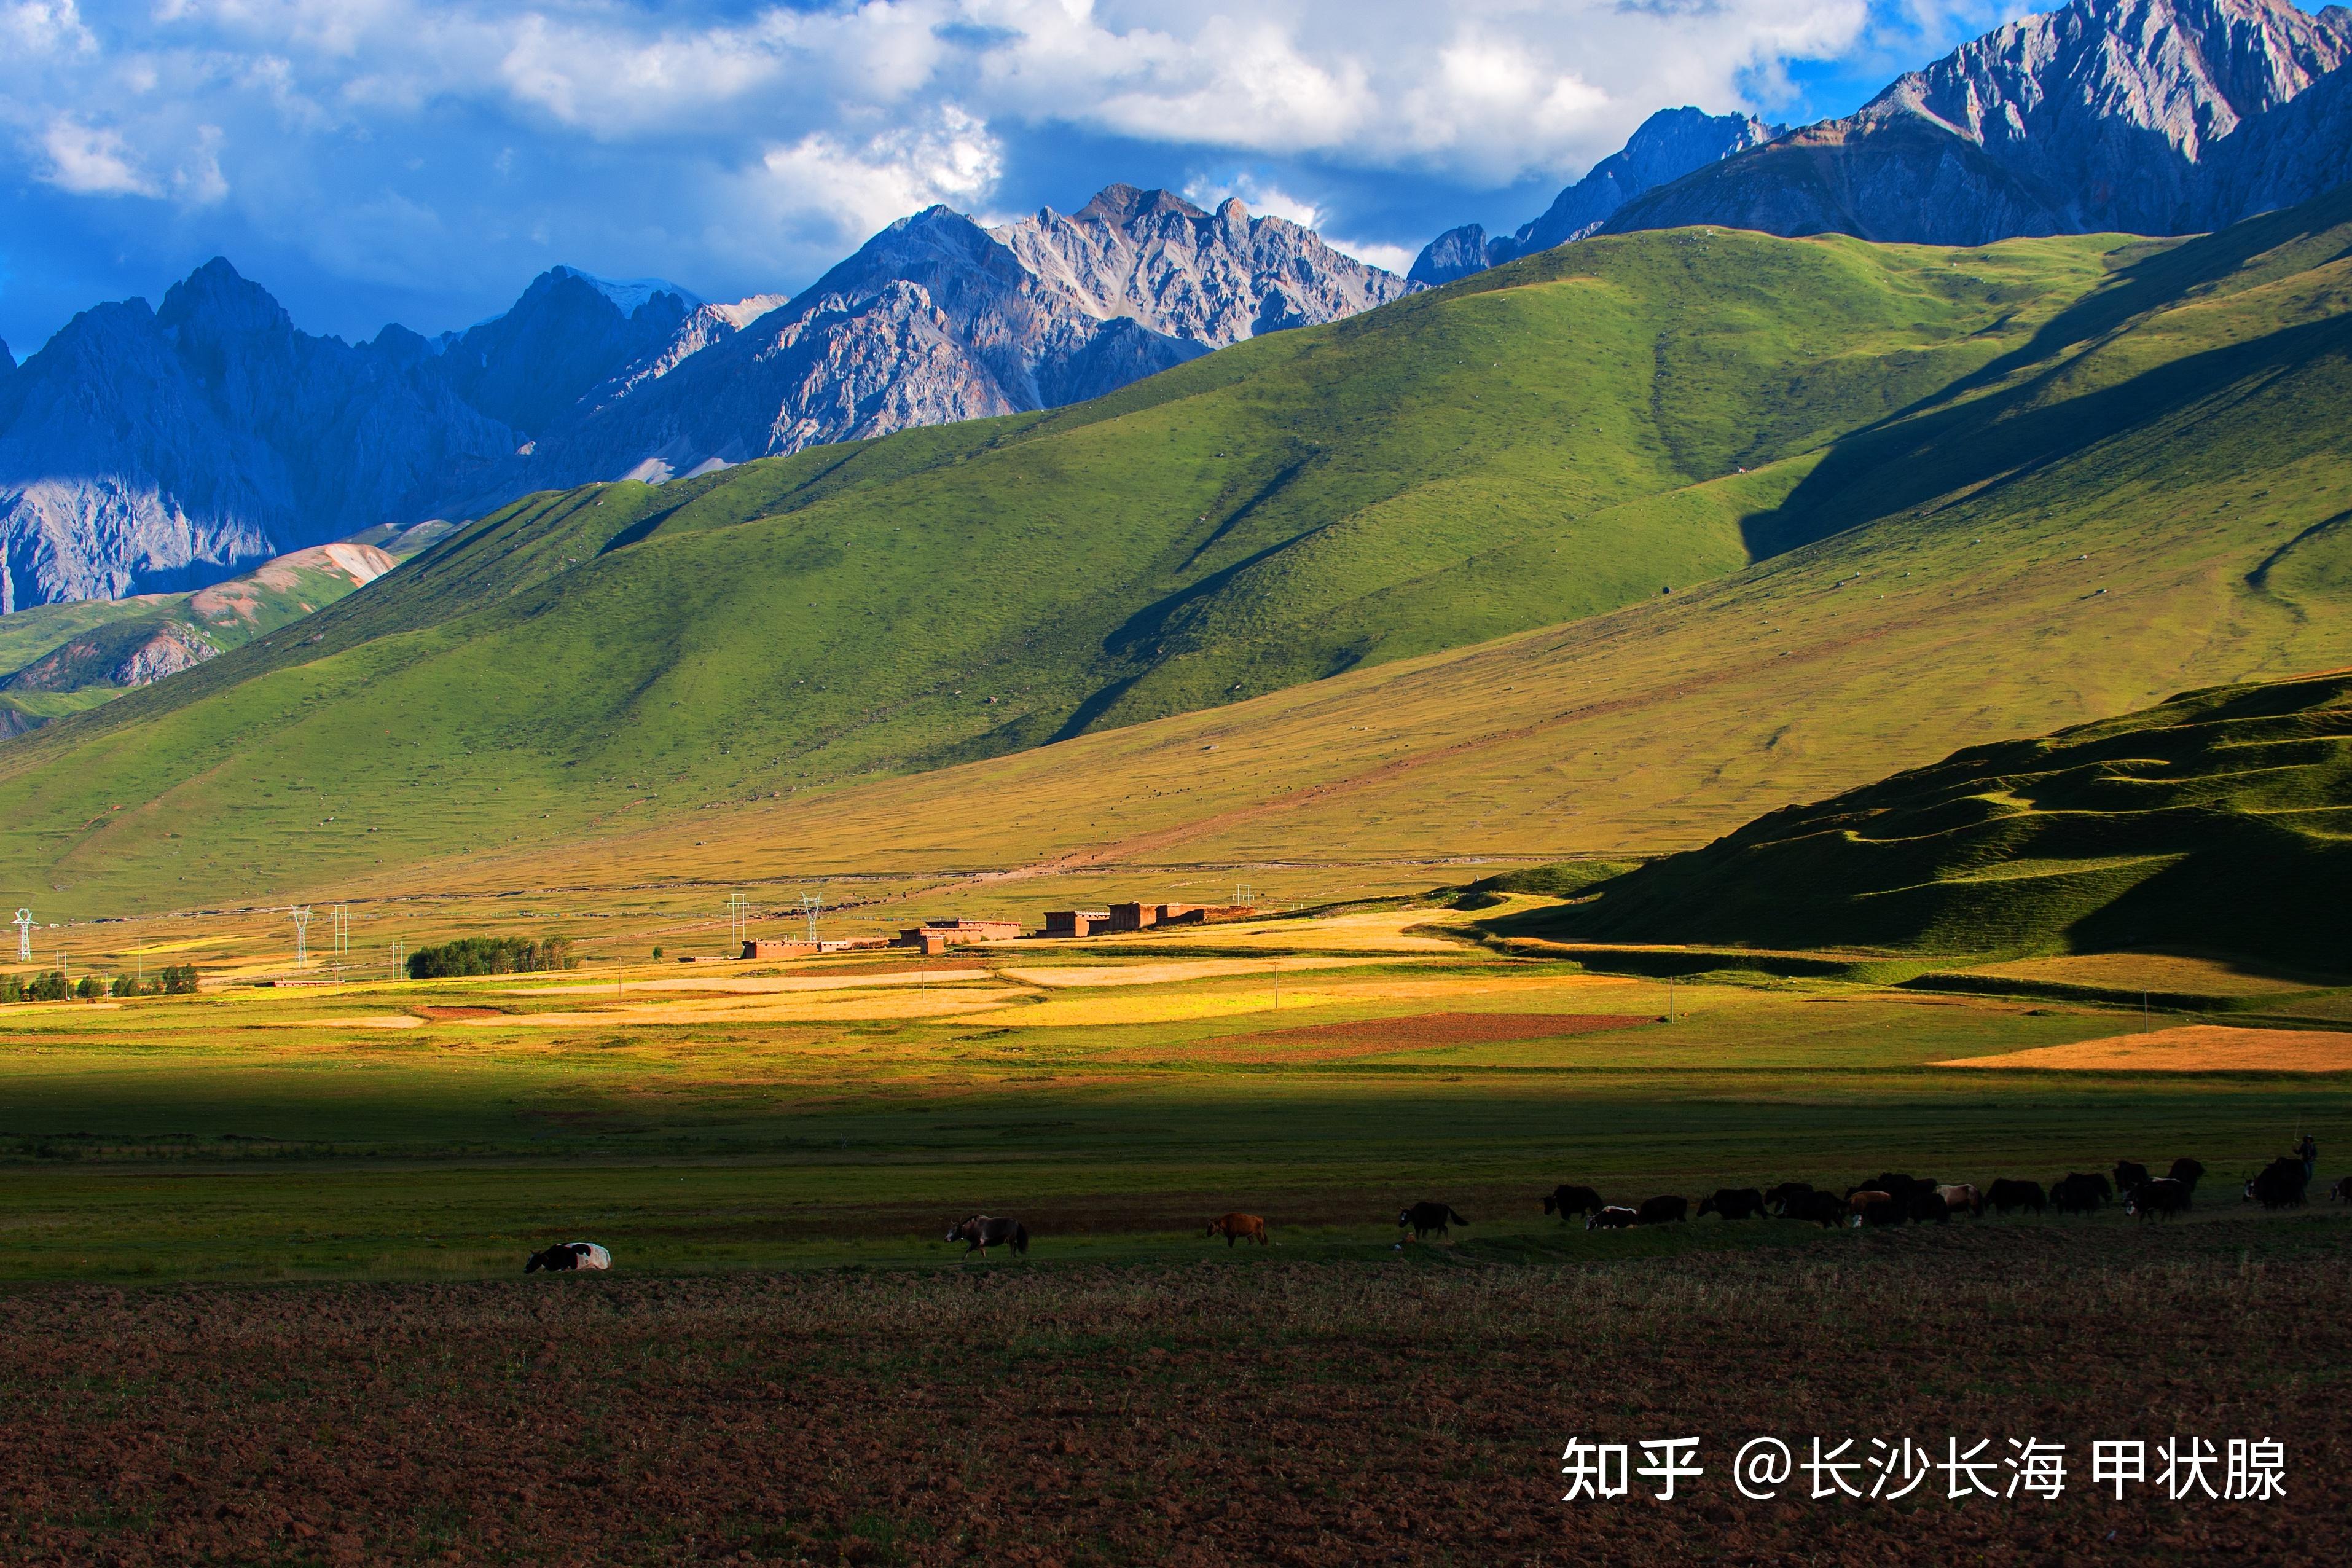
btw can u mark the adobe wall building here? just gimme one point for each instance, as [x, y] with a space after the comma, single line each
[1078, 922]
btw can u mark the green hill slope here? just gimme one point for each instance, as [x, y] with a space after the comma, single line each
[2218, 821]
[1542, 443]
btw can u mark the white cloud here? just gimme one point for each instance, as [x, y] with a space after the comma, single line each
[1396, 258]
[93, 161]
[858, 186]
[1256, 194]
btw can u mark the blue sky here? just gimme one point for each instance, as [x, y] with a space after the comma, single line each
[405, 160]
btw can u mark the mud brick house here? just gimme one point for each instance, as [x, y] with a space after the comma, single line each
[936, 936]
[1078, 922]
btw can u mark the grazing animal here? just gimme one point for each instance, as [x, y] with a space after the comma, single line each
[1928, 1208]
[2160, 1198]
[1823, 1209]
[2130, 1174]
[1426, 1216]
[1894, 1184]
[1564, 1200]
[1617, 1216]
[567, 1256]
[1661, 1211]
[2005, 1195]
[2343, 1189]
[1789, 1196]
[1236, 1227]
[1733, 1203]
[2079, 1193]
[981, 1232]
[1874, 1208]
[1960, 1197]
[2280, 1185]
[2187, 1172]
[1860, 1200]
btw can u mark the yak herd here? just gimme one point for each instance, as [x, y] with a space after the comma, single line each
[1888, 1198]
[1894, 1198]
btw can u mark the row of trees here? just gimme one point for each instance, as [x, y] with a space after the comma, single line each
[490, 955]
[177, 980]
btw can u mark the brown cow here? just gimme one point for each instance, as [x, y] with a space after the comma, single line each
[1236, 1227]
[1961, 1197]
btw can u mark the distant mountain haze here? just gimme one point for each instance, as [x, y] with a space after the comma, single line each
[153, 451]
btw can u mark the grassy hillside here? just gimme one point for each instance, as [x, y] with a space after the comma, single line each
[1548, 441]
[2213, 520]
[2219, 821]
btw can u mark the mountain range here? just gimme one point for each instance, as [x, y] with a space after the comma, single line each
[145, 451]
[2157, 117]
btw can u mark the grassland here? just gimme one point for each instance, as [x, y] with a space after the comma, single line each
[1113, 1093]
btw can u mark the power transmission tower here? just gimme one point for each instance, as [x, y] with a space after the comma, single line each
[24, 923]
[812, 905]
[301, 913]
[343, 918]
[739, 915]
[399, 957]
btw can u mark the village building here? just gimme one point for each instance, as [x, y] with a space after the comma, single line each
[1076, 923]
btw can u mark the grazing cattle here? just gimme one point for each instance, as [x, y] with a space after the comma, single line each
[1928, 1208]
[1789, 1197]
[1661, 1211]
[2079, 1193]
[2160, 1198]
[2279, 1186]
[1426, 1216]
[1614, 1217]
[2187, 1172]
[1959, 1197]
[1565, 1200]
[2130, 1174]
[1236, 1227]
[1733, 1203]
[2005, 1195]
[1823, 1209]
[567, 1256]
[981, 1232]
[1870, 1207]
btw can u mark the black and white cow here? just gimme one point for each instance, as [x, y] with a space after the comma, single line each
[567, 1256]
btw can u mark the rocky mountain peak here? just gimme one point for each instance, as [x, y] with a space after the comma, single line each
[1122, 205]
[2104, 114]
[216, 303]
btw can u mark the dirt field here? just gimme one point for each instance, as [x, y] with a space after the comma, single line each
[2190, 1047]
[1408, 1412]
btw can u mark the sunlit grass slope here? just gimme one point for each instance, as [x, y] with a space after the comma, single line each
[2070, 568]
[1561, 438]
[2219, 821]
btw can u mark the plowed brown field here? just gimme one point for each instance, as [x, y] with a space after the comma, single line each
[1332, 1413]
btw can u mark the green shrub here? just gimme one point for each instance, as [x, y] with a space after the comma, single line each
[50, 987]
[123, 986]
[180, 979]
[90, 988]
[489, 956]
[12, 988]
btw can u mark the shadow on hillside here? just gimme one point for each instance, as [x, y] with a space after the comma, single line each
[1997, 441]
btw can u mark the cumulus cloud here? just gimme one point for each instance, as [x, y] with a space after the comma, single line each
[856, 186]
[93, 161]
